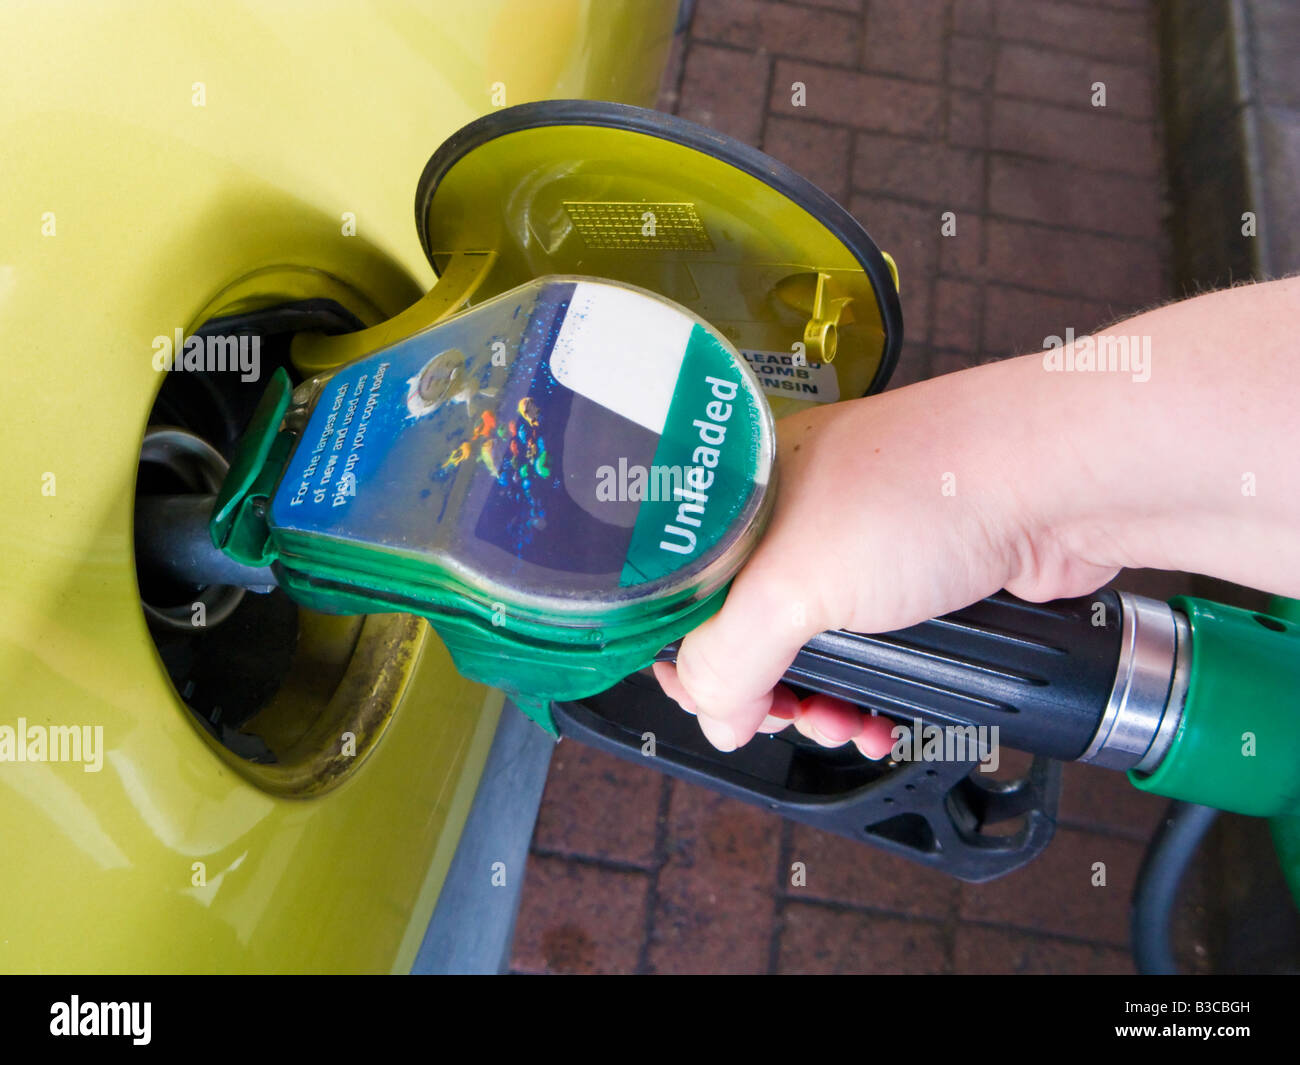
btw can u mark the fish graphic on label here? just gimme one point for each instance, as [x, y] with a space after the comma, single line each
[444, 379]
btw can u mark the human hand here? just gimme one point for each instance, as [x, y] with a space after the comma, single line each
[904, 506]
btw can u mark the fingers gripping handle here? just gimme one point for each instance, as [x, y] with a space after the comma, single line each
[1039, 673]
[1085, 678]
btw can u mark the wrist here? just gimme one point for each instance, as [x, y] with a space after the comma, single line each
[1063, 507]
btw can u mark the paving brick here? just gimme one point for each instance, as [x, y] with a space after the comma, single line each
[1052, 77]
[671, 81]
[1165, 584]
[1001, 951]
[1275, 43]
[1279, 165]
[956, 322]
[815, 939]
[618, 800]
[1012, 764]
[924, 119]
[1062, 195]
[1017, 322]
[913, 364]
[820, 153]
[1055, 893]
[724, 89]
[972, 16]
[1121, 36]
[852, 6]
[579, 919]
[945, 362]
[908, 231]
[962, 253]
[916, 292]
[826, 36]
[967, 120]
[1092, 797]
[905, 37]
[1096, 139]
[951, 178]
[843, 870]
[1124, 272]
[716, 891]
[970, 62]
[864, 101]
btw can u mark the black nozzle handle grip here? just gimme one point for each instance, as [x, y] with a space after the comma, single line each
[1041, 672]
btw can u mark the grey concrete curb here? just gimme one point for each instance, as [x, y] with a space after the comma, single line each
[1230, 97]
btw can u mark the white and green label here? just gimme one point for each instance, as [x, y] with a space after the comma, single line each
[713, 435]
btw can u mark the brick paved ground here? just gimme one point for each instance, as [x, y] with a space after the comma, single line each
[913, 108]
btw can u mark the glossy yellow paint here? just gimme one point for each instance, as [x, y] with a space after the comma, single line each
[154, 155]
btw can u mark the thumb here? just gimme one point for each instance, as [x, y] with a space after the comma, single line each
[729, 665]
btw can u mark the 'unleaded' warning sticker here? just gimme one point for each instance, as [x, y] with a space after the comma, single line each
[782, 373]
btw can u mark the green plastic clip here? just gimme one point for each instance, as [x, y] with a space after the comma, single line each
[238, 524]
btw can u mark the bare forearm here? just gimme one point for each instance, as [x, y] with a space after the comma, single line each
[1186, 459]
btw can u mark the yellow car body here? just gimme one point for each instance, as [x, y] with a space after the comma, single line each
[157, 155]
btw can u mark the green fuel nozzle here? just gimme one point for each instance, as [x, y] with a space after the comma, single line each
[565, 478]
[1236, 741]
[562, 479]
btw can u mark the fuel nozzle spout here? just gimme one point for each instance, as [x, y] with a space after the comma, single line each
[172, 539]
[182, 574]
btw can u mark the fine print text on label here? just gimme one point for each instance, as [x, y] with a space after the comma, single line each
[782, 374]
